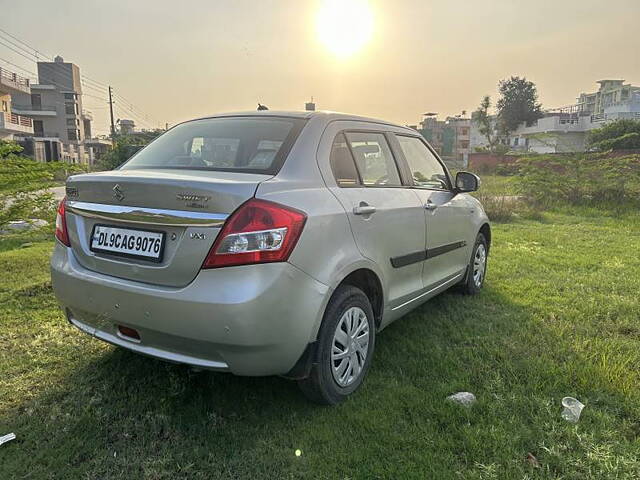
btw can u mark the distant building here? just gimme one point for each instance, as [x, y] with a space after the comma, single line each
[10, 122]
[55, 106]
[450, 137]
[614, 96]
[127, 127]
[565, 129]
[310, 106]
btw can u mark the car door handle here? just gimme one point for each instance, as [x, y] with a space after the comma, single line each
[430, 206]
[364, 210]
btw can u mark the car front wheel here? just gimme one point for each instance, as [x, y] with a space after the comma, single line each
[477, 268]
[344, 349]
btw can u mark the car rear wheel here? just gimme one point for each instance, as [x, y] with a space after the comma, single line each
[344, 349]
[477, 268]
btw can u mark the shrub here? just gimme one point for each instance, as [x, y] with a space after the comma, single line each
[619, 135]
[579, 179]
[500, 208]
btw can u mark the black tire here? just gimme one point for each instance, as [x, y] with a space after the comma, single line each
[469, 285]
[321, 386]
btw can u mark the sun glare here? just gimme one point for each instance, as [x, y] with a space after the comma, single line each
[344, 26]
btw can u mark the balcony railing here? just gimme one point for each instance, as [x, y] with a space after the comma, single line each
[16, 123]
[14, 80]
[20, 120]
[37, 133]
[33, 108]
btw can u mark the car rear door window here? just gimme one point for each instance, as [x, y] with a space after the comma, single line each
[374, 160]
[426, 170]
[342, 164]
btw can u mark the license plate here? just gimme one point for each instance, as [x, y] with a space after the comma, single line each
[128, 242]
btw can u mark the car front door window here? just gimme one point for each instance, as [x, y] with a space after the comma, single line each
[426, 170]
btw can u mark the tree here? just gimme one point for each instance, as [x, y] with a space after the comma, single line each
[486, 123]
[619, 135]
[9, 149]
[125, 146]
[518, 103]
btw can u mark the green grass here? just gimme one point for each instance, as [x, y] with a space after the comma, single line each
[559, 316]
[497, 185]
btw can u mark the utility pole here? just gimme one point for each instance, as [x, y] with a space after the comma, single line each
[113, 126]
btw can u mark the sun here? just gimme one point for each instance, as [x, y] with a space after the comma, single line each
[344, 26]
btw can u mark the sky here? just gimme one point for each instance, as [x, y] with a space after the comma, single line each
[173, 61]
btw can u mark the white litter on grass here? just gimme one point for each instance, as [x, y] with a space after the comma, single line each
[298, 452]
[7, 438]
[463, 398]
[572, 409]
[21, 225]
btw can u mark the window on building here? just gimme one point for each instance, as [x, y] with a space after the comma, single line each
[374, 160]
[464, 143]
[342, 163]
[425, 168]
[5, 106]
[36, 100]
[464, 131]
[38, 128]
[71, 122]
[73, 134]
[70, 108]
[69, 96]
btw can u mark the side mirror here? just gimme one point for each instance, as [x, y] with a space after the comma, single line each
[467, 182]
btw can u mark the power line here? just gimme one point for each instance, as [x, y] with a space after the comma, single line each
[133, 116]
[86, 81]
[94, 83]
[90, 85]
[19, 67]
[16, 51]
[26, 44]
[140, 112]
[102, 85]
[16, 45]
[95, 89]
[93, 96]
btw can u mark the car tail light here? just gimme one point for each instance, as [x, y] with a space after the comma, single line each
[257, 232]
[62, 233]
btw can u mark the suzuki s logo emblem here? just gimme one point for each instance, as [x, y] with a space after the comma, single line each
[118, 193]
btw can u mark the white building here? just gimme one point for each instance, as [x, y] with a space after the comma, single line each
[565, 129]
[11, 123]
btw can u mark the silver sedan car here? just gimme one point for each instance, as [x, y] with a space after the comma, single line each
[267, 243]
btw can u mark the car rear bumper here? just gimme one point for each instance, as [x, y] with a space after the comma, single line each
[249, 320]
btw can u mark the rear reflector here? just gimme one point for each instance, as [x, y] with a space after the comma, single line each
[128, 332]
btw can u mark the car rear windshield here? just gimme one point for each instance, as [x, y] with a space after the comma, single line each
[235, 144]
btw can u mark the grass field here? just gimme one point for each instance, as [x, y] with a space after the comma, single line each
[559, 316]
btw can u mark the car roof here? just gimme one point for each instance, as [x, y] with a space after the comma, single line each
[327, 116]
